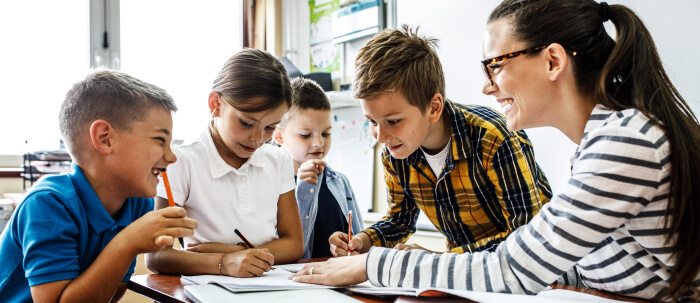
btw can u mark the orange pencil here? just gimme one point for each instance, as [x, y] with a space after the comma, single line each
[171, 201]
[349, 230]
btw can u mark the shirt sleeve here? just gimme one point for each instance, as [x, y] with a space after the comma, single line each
[286, 171]
[598, 199]
[400, 221]
[517, 185]
[48, 239]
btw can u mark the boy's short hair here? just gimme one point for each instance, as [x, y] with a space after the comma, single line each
[307, 95]
[110, 95]
[399, 61]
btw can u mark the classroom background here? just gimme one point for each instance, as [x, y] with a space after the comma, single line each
[180, 45]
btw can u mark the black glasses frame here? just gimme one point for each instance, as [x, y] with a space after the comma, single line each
[485, 63]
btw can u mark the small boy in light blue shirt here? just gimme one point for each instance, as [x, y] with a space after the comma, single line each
[324, 196]
[75, 236]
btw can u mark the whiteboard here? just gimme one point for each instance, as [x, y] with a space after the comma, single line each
[352, 152]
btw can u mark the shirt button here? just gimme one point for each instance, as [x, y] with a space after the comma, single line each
[243, 179]
[245, 192]
[311, 190]
[307, 217]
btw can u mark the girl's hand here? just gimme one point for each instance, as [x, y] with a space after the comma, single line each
[334, 272]
[247, 263]
[213, 247]
[309, 170]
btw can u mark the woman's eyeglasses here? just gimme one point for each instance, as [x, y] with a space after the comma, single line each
[487, 69]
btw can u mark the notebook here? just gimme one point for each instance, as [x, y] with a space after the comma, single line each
[276, 279]
[549, 295]
[210, 293]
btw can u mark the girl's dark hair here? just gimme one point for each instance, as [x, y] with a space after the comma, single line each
[253, 73]
[620, 75]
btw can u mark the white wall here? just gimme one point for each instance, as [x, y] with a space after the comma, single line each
[459, 25]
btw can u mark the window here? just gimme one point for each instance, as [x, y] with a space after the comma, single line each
[180, 47]
[177, 45]
[44, 51]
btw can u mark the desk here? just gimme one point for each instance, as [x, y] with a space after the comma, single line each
[169, 289]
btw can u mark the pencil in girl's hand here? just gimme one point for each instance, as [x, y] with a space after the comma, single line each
[247, 243]
[349, 230]
[171, 201]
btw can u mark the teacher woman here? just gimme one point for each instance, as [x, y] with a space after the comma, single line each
[628, 220]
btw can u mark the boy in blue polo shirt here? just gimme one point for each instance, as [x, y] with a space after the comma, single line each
[75, 236]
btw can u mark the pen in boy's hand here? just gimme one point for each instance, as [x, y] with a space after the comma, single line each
[169, 192]
[349, 230]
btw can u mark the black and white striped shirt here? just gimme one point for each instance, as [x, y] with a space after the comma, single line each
[608, 223]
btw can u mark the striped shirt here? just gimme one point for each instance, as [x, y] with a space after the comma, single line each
[489, 185]
[608, 224]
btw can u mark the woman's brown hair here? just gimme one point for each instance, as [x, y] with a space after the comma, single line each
[622, 74]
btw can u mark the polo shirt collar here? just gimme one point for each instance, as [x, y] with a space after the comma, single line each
[97, 215]
[217, 166]
[459, 146]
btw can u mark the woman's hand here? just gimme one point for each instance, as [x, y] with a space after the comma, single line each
[334, 272]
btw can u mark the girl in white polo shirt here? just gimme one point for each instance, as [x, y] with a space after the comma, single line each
[230, 179]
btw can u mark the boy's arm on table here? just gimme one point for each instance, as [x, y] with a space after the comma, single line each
[290, 246]
[103, 277]
[205, 258]
[400, 221]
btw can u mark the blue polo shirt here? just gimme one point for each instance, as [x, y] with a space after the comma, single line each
[57, 231]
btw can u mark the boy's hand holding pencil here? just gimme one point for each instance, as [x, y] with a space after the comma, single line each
[157, 229]
[344, 245]
[171, 201]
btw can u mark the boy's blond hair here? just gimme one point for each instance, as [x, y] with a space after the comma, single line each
[110, 95]
[399, 61]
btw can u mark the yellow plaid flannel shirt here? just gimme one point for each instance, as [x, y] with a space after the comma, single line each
[489, 186]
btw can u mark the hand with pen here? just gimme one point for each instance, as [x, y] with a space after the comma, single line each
[359, 244]
[157, 229]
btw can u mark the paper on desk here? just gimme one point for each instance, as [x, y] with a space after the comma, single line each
[291, 267]
[276, 279]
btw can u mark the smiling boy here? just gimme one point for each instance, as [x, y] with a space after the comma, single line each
[75, 236]
[473, 178]
[324, 196]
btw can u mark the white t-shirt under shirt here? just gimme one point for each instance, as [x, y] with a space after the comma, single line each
[222, 198]
[437, 161]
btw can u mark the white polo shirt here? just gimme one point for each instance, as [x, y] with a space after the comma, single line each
[222, 198]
